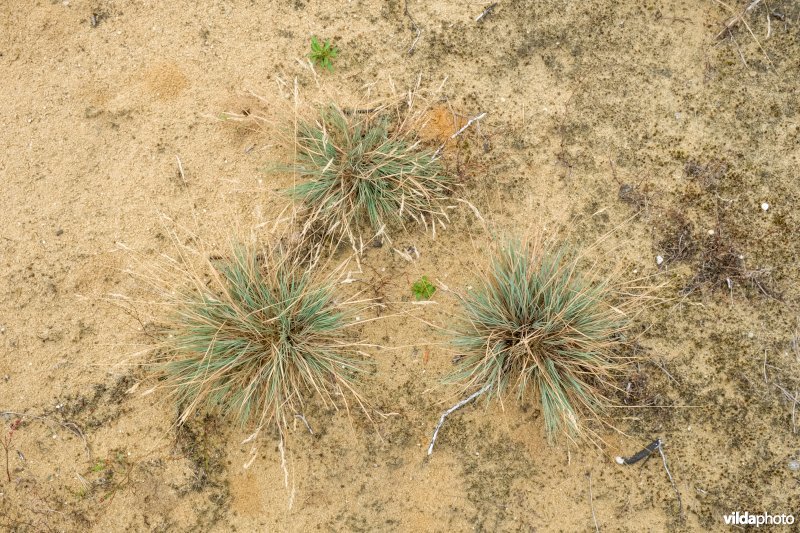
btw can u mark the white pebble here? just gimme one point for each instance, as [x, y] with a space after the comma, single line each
[794, 465]
[659, 259]
[711, 232]
[764, 206]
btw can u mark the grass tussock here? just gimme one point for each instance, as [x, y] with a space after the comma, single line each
[364, 172]
[539, 323]
[256, 335]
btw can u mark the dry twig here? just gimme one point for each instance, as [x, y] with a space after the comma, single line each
[794, 399]
[417, 29]
[669, 474]
[734, 20]
[303, 418]
[180, 170]
[467, 125]
[457, 406]
[591, 504]
[486, 12]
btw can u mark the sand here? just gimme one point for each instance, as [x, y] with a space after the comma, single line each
[620, 119]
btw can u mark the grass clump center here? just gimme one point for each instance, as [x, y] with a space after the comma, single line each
[364, 171]
[537, 323]
[257, 338]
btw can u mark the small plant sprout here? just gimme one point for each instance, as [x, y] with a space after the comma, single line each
[322, 53]
[539, 323]
[423, 289]
[256, 336]
[364, 174]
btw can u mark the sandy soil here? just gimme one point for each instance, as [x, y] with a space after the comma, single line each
[601, 116]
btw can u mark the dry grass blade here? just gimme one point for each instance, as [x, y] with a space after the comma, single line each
[735, 19]
[740, 17]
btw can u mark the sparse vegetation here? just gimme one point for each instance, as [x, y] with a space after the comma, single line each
[259, 336]
[667, 131]
[107, 476]
[423, 289]
[537, 322]
[5, 442]
[364, 170]
[721, 256]
[721, 265]
[323, 53]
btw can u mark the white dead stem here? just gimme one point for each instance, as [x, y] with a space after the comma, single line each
[180, 170]
[457, 406]
[253, 455]
[404, 255]
[794, 399]
[734, 20]
[416, 28]
[769, 25]
[283, 463]
[486, 11]
[303, 418]
[591, 504]
[672, 481]
[467, 125]
[474, 210]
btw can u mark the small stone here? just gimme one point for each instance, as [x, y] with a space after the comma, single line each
[764, 206]
[794, 465]
[59, 232]
[659, 260]
[711, 232]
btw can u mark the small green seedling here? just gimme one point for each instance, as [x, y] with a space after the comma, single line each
[423, 289]
[323, 53]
